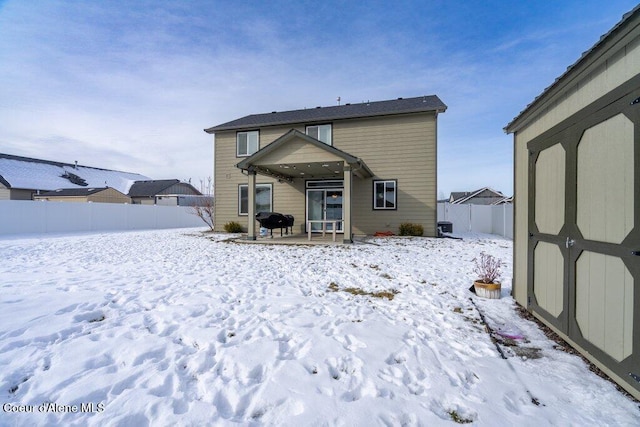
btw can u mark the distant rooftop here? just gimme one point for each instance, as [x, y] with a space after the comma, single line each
[74, 191]
[150, 188]
[346, 111]
[46, 175]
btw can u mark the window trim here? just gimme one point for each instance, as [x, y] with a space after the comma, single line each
[330, 143]
[270, 185]
[395, 193]
[238, 154]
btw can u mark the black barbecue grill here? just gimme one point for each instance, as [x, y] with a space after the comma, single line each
[271, 220]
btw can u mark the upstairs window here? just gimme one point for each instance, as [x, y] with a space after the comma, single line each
[247, 143]
[384, 194]
[320, 132]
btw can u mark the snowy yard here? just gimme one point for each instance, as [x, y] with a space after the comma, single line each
[177, 327]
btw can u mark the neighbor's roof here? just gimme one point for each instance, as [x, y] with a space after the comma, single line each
[156, 186]
[151, 187]
[74, 191]
[463, 196]
[603, 39]
[37, 174]
[346, 111]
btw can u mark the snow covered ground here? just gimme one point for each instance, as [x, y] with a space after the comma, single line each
[177, 327]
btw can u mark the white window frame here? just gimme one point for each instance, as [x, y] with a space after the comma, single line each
[386, 183]
[249, 150]
[246, 186]
[326, 125]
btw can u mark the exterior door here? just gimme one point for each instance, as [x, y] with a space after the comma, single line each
[584, 230]
[325, 204]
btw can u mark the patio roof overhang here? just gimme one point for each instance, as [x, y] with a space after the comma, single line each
[297, 155]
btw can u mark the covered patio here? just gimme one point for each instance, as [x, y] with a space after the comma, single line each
[297, 156]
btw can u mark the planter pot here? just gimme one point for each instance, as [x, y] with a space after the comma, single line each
[487, 290]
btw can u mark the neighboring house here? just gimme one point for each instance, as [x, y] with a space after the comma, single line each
[370, 166]
[96, 195]
[504, 201]
[483, 196]
[162, 192]
[23, 177]
[577, 213]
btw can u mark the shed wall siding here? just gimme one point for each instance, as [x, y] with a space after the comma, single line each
[600, 299]
[585, 89]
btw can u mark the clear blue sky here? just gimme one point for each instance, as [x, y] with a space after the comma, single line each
[130, 85]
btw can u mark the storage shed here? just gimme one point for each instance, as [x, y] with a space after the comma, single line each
[577, 210]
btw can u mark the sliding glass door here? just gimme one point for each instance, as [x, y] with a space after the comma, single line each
[324, 204]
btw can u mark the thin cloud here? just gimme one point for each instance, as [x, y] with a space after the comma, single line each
[135, 83]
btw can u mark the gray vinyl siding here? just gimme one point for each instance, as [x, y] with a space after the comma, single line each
[5, 193]
[401, 147]
[18, 194]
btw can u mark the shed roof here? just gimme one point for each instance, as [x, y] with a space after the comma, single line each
[626, 18]
[346, 111]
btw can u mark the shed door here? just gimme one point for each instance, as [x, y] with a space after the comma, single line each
[584, 228]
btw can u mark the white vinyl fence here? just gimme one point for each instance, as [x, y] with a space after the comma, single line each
[478, 218]
[27, 217]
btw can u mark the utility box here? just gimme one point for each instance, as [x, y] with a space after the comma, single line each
[445, 226]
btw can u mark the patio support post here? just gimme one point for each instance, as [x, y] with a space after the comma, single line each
[251, 193]
[346, 203]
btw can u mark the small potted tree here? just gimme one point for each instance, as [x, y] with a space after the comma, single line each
[487, 267]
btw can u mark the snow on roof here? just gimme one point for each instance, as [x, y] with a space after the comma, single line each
[36, 174]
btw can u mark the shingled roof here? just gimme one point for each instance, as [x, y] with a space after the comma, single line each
[346, 111]
[150, 188]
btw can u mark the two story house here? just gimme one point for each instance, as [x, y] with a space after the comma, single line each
[368, 166]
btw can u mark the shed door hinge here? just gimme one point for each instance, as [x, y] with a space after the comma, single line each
[635, 101]
[634, 376]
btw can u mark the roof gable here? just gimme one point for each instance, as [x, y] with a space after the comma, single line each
[287, 139]
[485, 192]
[297, 147]
[419, 104]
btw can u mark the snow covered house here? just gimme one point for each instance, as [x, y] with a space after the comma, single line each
[362, 167]
[23, 177]
[84, 195]
[577, 206]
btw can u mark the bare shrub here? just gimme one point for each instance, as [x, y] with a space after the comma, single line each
[205, 213]
[487, 268]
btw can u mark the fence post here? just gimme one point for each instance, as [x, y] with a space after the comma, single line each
[504, 220]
